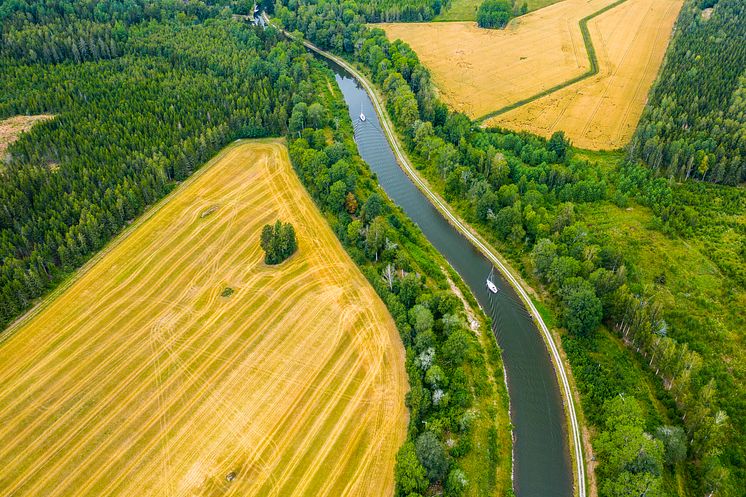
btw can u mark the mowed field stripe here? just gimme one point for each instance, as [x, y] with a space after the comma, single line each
[103, 365]
[64, 340]
[122, 386]
[140, 378]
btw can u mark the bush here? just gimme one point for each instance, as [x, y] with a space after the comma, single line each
[432, 455]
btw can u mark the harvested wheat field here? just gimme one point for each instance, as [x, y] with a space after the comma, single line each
[479, 71]
[143, 377]
[602, 111]
[12, 127]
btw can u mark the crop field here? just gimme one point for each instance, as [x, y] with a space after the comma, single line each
[147, 376]
[602, 111]
[479, 71]
[12, 127]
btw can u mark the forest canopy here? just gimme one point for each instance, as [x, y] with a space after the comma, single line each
[694, 125]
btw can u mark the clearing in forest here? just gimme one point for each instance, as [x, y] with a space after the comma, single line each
[12, 127]
[479, 71]
[146, 376]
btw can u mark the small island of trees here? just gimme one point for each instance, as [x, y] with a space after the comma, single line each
[497, 13]
[278, 242]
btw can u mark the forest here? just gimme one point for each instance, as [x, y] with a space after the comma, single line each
[143, 115]
[694, 125]
[529, 197]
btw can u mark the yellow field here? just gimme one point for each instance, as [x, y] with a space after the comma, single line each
[478, 71]
[602, 112]
[140, 378]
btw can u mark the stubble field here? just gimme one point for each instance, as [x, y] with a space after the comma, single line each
[143, 377]
[602, 112]
[479, 71]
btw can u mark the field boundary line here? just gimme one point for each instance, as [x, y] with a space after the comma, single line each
[483, 247]
[73, 277]
[592, 71]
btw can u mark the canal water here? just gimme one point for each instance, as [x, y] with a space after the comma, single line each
[541, 455]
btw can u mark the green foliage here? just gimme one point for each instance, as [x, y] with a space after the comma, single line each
[432, 455]
[674, 443]
[693, 124]
[630, 459]
[129, 125]
[494, 13]
[411, 477]
[278, 242]
[583, 310]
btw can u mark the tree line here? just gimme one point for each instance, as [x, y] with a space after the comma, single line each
[495, 13]
[693, 125]
[522, 190]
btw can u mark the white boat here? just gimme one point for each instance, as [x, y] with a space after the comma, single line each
[362, 116]
[491, 286]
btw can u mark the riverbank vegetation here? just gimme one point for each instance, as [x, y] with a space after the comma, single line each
[535, 200]
[459, 435]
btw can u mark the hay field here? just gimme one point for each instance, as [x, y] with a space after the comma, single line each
[478, 71]
[142, 378]
[602, 112]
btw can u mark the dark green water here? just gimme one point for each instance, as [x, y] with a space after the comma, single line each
[542, 461]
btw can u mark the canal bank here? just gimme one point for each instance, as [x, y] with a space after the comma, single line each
[541, 409]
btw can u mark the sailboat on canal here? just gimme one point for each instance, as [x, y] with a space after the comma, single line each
[490, 285]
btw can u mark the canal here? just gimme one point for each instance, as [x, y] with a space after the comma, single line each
[542, 466]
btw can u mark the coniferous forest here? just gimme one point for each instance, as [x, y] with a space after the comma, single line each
[142, 99]
[694, 125]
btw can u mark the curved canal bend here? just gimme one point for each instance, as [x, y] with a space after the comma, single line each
[542, 466]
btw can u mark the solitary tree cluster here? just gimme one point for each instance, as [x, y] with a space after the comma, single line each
[494, 13]
[278, 242]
